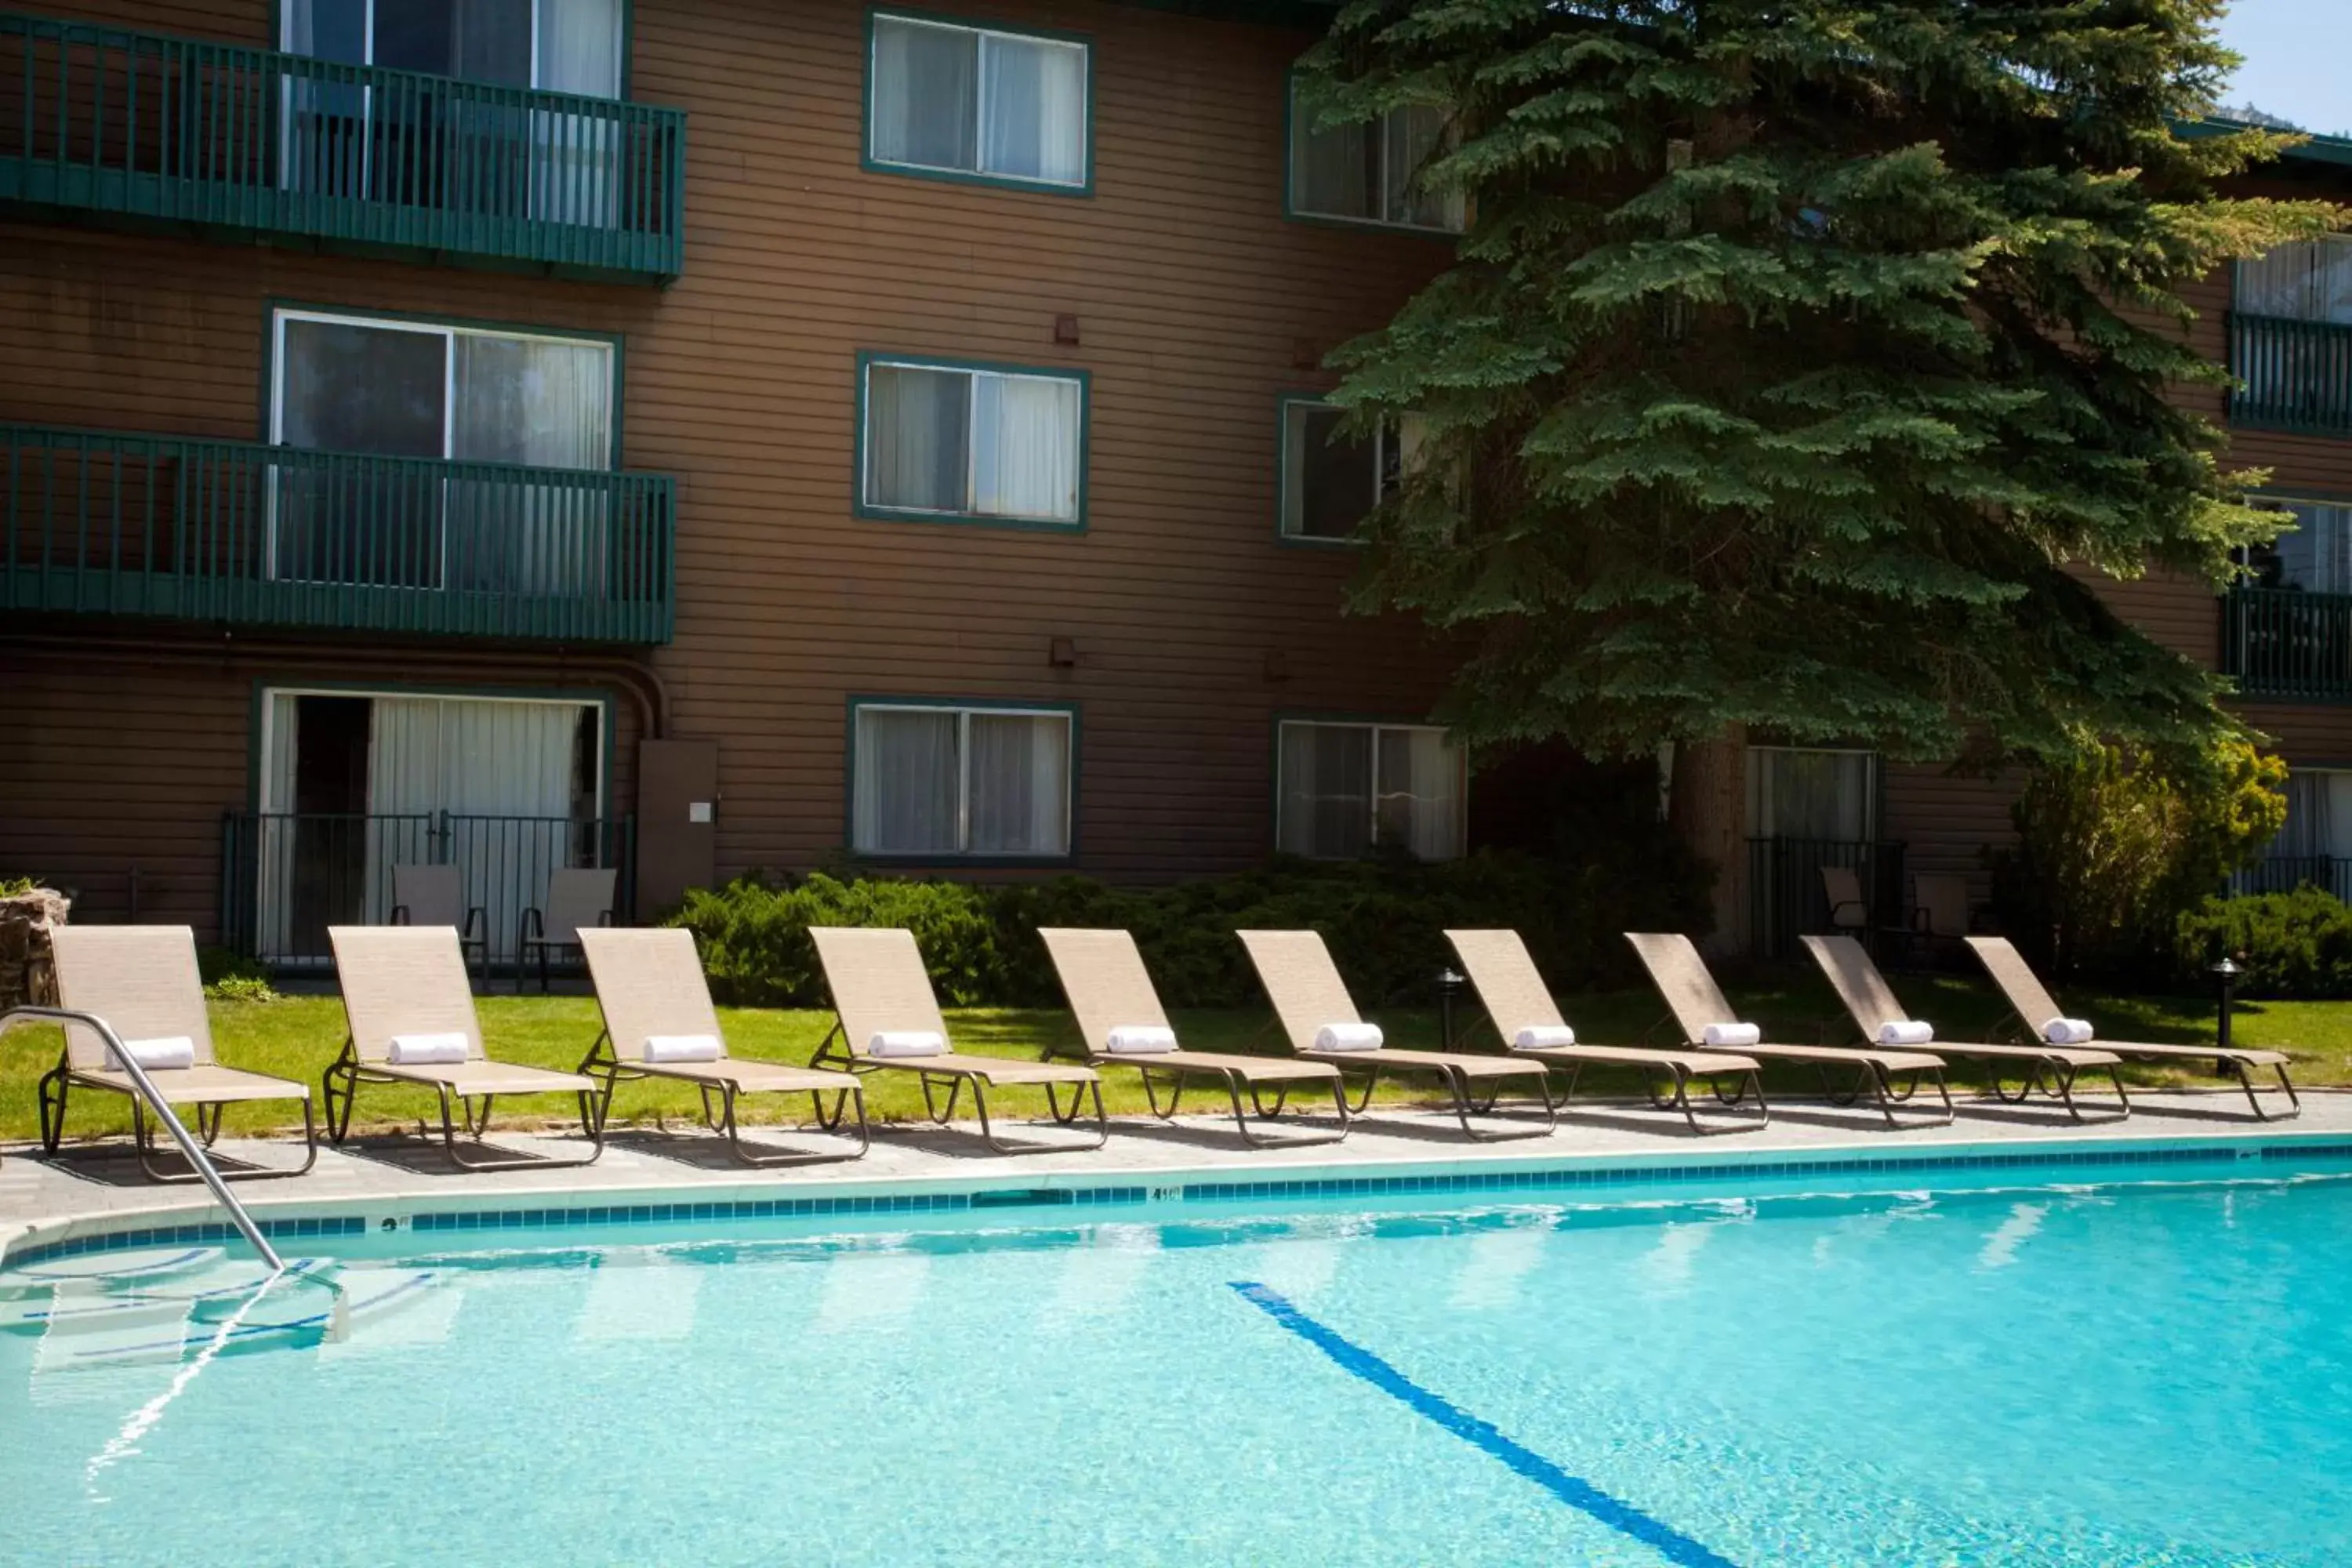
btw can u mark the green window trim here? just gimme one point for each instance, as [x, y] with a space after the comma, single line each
[1083, 189]
[873, 511]
[858, 702]
[1293, 213]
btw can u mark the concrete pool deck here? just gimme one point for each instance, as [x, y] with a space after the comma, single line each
[94, 1189]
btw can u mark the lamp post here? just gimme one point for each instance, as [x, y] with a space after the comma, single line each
[1449, 986]
[2226, 975]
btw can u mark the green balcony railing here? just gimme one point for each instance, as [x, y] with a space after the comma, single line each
[100, 522]
[2284, 642]
[2297, 375]
[253, 141]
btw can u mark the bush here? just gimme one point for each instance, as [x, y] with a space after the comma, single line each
[242, 988]
[2293, 945]
[2114, 847]
[1384, 918]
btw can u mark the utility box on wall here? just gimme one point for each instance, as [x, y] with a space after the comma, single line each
[678, 828]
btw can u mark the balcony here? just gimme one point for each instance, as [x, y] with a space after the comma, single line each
[2297, 375]
[2287, 643]
[241, 142]
[103, 524]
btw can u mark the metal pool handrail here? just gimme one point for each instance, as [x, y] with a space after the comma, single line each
[147, 1091]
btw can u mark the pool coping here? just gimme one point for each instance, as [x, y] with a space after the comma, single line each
[433, 1206]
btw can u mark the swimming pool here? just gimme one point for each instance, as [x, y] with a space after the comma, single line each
[2009, 1366]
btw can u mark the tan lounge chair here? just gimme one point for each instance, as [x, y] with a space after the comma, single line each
[1512, 991]
[879, 985]
[436, 896]
[2032, 1007]
[1870, 1002]
[649, 984]
[1103, 975]
[1693, 1000]
[1307, 994]
[578, 899]
[142, 980]
[411, 979]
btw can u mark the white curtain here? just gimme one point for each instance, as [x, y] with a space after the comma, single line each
[1413, 136]
[907, 773]
[1334, 171]
[274, 834]
[2318, 816]
[576, 158]
[1420, 803]
[917, 430]
[545, 404]
[1035, 98]
[1326, 809]
[926, 87]
[1025, 448]
[2310, 281]
[1020, 785]
[1796, 793]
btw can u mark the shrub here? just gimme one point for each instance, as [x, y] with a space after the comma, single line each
[242, 988]
[1384, 918]
[2295, 944]
[17, 886]
[2114, 847]
[216, 965]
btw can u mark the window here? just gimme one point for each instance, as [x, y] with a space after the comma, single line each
[1824, 796]
[977, 102]
[2306, 281]
[1343, 788]
[1329, 483]
[560, 45]
[2315, 556]
[940, 780]
[412, 389]
[1363, 174]
[942, 440]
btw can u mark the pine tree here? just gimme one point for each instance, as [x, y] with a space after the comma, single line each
[1796, 352]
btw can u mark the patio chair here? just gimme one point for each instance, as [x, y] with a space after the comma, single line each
[2033, 1010]
[656, 1006]
[143, 981]
[412, 1021]
[1309, 999]
[886, 1018]
[1870, 1002]
[1122, 1023]
[1841, 887]
[1694, 1002]
[579, 899]
[436, 896]
[1521, 1008]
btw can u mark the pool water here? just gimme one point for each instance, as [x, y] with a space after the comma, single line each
[2130, 1373]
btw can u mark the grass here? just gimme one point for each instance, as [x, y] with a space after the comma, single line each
[297, 1036]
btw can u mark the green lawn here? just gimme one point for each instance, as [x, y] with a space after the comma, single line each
[297, 1036]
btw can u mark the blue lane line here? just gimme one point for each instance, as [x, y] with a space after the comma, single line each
[1582, 1495]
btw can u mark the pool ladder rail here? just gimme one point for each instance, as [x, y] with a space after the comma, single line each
[198, 1159]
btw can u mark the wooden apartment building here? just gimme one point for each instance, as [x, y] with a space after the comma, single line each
[699, 435]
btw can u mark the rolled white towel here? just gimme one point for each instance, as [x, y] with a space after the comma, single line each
[1544, 1037]
[426, 1050]
[1905, 1032]
[1140, 1040]
[1348, 1038]
[1731, 1036]
[2067, 1031]
[170, 1051]
[906, 1043]
[682, 1048]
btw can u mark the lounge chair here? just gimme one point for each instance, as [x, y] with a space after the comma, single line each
[1693, 1000]
[650, 987]
[578, 899]
[1512, 991]
[142, 980]
[1867, 999]
[1309, 997]
[881, 990]
[407, 984]
[436, 896]
[1111, 993]
[2033, 1008]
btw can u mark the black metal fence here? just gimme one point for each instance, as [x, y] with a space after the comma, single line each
[1787, 899]
[286, 877]
[2285, 873]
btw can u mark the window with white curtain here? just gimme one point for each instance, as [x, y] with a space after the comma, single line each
[2310, 280]
[946, 780]
[1343, 788]
[2315, 554]
[1365, 172]
[1329, 481]
[559, 45]
[413, 389]
[2318, 816]
[947, 440]
[1808, 792]
[956, 100]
